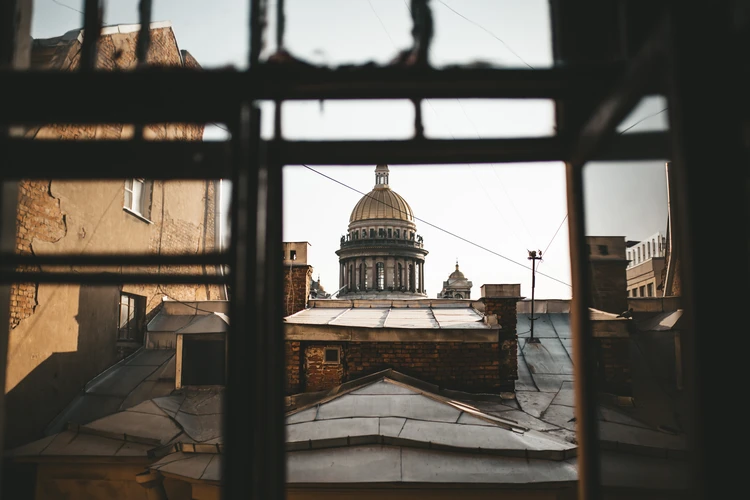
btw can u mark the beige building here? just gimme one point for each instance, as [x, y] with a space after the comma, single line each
[646, 263]
[457, 286]
[61, 336]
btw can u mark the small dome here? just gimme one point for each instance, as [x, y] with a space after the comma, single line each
[457, 275]
[382, 204]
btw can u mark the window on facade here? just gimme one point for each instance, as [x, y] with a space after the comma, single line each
[603, 250]
[372, 233]
[390, 232]
[380, 270]
[381, 232]
[138, 197]
[650, 290]
[333, 355]
[399, 275]
[132, 317]
[349, 277]
[293, 255]
[639, 254]
[643, 291]
[398, 233]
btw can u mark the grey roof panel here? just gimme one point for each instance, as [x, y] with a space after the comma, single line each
[331, 429]
[200, 427]
[213, 469]
[122, 380]
[209, 323]
[547, 356]
[566, 395]
[391, 426]
[357, 405]
[148, 407]
[138, 424]
[562, 416]
[145, 391]
[150, 357]
[550, 382]
[526, 420]
[534, 403]
[202, 402]
[170, 404]
[430, 466]
[356, 464]
[170, 322]
[384, 387]
[69, 443]
[303, 416]
[561, 323]
[478, 436]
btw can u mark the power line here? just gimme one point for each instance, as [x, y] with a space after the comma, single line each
[67, 6]
[643, 120]
[431, 224]
[381, 23]
[488, 32]
[502, 186]
[555, 235]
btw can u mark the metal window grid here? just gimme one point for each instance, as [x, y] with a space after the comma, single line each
[602, 70]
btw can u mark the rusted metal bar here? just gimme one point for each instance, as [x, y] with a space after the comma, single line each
[166, 160]
[600, 128]
[110, 278]
[169, 160]
[708, 123]
[144, 34]
[27, 100]
[240, 418]
[83, 260]
[584, 358]
[92, 27]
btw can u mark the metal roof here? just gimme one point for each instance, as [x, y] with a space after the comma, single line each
[407, 314]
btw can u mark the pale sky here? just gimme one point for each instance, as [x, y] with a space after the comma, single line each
[505, 208]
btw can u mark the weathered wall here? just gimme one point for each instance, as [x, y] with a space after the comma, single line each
[63, 335]
[613, 364]
[320, 375]
[609, 285]
[292, 367]
[296, 287]
[507, 317]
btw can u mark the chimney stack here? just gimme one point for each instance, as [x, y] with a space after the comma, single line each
[500, 306]
[607, 263]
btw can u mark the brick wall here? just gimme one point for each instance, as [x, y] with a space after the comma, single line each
[609, 285]
[506, 311]
[296, 287]
[465, 366]
[320, 375]
[38, 216]
[613, 360]
[292, 367]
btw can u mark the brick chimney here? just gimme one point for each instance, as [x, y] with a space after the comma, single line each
[500, 306]
[297, 276]
[607, 263]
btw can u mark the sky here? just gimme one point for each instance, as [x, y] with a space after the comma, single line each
[505, 208]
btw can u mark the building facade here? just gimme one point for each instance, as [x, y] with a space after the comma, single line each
[382, 256]
[456, 286]
[646, 264]
[61, 336]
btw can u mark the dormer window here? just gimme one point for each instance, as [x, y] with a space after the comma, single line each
[201, 351]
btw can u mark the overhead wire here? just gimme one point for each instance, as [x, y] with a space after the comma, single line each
[435, 226]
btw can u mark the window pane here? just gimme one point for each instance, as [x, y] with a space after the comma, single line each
[137, 203]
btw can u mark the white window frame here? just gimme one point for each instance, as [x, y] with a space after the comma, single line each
[138, 205]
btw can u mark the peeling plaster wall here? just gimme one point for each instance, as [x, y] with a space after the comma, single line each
[63, 335]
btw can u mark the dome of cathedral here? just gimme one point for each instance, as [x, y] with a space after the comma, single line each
[457, 275]
[381, 202]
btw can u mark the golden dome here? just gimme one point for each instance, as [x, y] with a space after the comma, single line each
[381, 202]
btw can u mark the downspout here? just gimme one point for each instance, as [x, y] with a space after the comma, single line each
[219, 235]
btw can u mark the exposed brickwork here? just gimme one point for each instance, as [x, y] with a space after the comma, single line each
[456, 365]
[320, 375]
[506, 311]
[613, 359]
[609, 285]
[292, 367]
[39, 217]
[296, 288]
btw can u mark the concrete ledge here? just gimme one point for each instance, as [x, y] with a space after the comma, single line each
[302, 332]
[655, 304]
